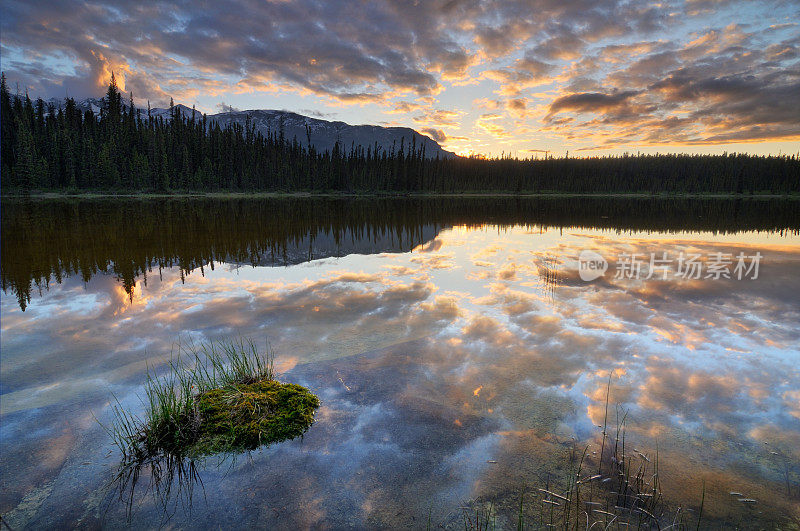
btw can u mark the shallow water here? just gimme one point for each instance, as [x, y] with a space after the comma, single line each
[454, 346]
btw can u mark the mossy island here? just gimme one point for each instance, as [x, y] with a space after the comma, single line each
[246, 416]
[221, 397]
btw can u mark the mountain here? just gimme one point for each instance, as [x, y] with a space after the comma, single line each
[322, 133]
[89, 104]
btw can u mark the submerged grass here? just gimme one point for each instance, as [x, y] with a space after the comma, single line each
[217, 397]
[619, 488]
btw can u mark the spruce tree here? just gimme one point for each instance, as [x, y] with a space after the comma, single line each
[26, 170]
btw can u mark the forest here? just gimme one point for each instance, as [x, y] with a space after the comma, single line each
[124, 149]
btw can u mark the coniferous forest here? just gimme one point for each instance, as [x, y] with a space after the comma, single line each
[125, 149]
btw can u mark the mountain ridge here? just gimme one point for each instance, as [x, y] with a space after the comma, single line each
[320, 133]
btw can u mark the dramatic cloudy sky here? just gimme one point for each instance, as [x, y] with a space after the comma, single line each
[589, 76]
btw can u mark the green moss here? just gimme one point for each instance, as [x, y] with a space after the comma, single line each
[236, 417]
[218, 397]
[246, 416]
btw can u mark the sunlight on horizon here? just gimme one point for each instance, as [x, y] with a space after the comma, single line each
[484, 79]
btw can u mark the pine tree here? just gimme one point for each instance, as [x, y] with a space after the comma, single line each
[26, 169]
[141, 172]
[8, 129]
[107, 170]
[112, 103]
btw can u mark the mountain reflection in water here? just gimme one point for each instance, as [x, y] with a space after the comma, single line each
[47, 240]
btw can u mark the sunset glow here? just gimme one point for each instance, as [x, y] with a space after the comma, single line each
[484, 77]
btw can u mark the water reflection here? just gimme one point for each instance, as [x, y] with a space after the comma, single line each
[482, 344]
[48, 240]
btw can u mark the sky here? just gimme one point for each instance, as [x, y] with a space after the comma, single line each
[526, 78]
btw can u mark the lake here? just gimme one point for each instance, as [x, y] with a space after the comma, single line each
[463, 350]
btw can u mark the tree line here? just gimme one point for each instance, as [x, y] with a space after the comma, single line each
[124, 148]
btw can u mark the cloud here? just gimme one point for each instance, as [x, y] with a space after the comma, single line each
[721, 85]
[487, 103]
[537, 68]
[490, 127]
[224, 107]
[590, 102]
[338, 49]
[566, 46]
[439, 117]
[517, 106]
[512, 81]
[318, 114]
[607, 73]
[405, 107]
[436, 134]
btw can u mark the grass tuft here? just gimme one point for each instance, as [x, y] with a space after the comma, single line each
[619, 488]
[217, 397]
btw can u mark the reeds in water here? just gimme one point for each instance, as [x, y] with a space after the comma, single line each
[215, 398]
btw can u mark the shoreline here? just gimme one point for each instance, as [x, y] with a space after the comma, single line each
[388, 195]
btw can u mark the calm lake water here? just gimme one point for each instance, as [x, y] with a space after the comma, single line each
[456, 350]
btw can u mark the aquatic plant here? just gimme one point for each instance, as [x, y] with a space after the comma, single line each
[619, 488]
[485, 519]
[220, 397]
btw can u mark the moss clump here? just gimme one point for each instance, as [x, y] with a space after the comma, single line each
[220, 397]
[249, 415]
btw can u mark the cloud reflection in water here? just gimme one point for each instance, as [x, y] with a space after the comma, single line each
[431, 363]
